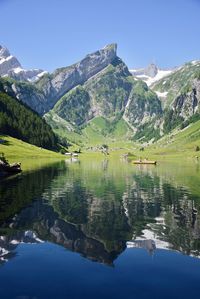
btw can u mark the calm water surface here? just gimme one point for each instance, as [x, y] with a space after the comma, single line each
[101, 229]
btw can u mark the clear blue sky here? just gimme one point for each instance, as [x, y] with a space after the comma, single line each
[53, 33]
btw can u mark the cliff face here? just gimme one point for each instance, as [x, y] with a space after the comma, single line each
[24, 92]
[188, 104]
[54, 86]
[143, 108]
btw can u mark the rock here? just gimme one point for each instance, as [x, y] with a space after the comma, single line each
[151, 70]
[9, 169]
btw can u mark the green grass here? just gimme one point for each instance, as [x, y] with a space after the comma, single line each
[183, 141]
[179, 145]
[101, 131]
[98, 131]
[29, 155]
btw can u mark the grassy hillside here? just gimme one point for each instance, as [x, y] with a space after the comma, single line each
[31, 156]
[97, 131]
[183, 140]
[179, 145]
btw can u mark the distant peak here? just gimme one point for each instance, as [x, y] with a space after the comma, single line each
[152, 65]
[151, 70]
[4, 53]
[111, 46]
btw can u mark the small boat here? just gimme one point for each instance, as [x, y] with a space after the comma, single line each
[145, 162]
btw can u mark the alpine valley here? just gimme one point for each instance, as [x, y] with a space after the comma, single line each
[99, 100]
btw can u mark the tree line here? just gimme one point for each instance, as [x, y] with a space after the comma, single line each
[19, 121]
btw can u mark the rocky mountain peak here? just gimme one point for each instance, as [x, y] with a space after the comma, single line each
[110, 49]
[151, 70]
[4, 53]
[11, 67]
[98, 59]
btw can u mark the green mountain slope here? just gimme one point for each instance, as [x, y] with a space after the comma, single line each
[179, 93]
[178, 82]
[185, 139]
[29, 155]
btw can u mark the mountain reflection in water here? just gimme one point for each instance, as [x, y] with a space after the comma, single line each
[97, 209]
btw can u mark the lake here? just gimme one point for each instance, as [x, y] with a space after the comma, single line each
[101, 228]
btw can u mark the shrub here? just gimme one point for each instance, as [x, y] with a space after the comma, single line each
[197, 148]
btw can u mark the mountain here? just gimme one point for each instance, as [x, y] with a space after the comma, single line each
[11, 67]
[150, 74]
[99, 99]
[100, 85]
[104, 102]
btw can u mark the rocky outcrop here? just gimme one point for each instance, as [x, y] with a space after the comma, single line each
[7, 169]
[188, 104]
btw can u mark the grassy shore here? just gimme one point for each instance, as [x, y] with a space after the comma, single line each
[30, 156]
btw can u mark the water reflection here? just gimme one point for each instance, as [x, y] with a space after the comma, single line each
[98, 209]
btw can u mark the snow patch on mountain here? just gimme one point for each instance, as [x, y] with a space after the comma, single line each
[151, 74]
[161, 94]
